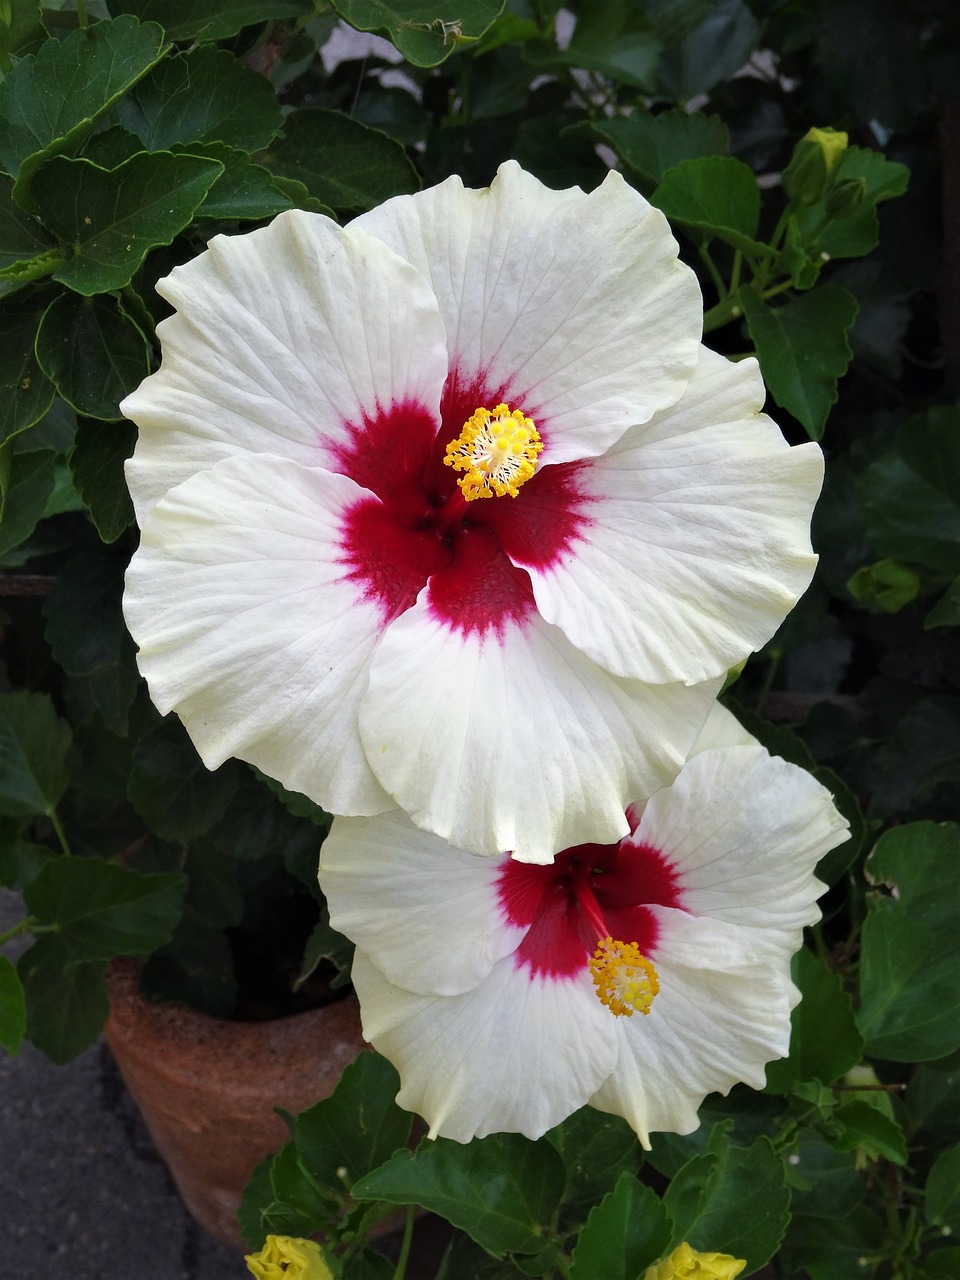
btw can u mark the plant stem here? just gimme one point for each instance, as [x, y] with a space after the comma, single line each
[61, 834]
[82, 12]
[24, 926]
[715, 276]
[405, 1245]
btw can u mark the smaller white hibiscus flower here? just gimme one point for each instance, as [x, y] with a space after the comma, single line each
[636, 977]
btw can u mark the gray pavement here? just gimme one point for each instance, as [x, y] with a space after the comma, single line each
[83, 1194]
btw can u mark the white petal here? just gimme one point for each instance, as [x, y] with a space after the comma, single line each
[249, 630]
[513, 740]
[744, 830]
[427, 914]
[722, 1013]
[722, 729]
[698, 541]
[516, 1055]
[282, 337]
[575, 305]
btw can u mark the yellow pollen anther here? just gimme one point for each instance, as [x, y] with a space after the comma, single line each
[497, 450]
[625, 980]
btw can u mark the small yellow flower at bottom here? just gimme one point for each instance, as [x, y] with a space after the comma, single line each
[689, 1264]
[284, 1258]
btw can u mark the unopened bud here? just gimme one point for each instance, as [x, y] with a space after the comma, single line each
[814, 159]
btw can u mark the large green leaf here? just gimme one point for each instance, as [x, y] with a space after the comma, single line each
[616, 39]
[502, 1190]
[424, 32]
[103, 910]
[171, 789]
[716, 195]
[942, 1192]
[34, 743]
[87, 635]
[803, 349]
[824, 1040]
[931, 446]
[50, 101]
[204, 95]
[186, 20]
[345, 164]
[653, 144]
[357, 1128]
[26, 488]
[112, 218]
[21, 237]
[92, 352]
[908, 518]
[909, 961]
[824, 1182]
[13, 1008]
[715, 50]
[21, 28]
[67, 1002]
[244, 190]
[627, 1231]
[596, 1148]
[25, 392]
[96, 462]
[732, 1200]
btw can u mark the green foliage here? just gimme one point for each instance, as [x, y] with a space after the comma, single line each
[910, 966]
[126, 145]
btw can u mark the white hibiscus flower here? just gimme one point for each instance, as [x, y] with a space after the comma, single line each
[449, 509]
[507, 994]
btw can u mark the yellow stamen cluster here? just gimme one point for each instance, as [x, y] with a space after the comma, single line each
[625, 980]
[497, 451]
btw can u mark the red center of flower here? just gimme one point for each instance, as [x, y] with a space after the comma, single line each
[416, 528]
[586, 894]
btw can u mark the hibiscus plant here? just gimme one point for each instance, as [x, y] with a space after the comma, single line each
[508, 454]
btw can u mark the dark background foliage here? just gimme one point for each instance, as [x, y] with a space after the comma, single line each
[130, 133]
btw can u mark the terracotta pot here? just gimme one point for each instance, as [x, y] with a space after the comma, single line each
[207, 1087]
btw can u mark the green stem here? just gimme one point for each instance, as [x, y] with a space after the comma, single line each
[725, 311]
[82, 12]
[715, 276]
[735, 273]
[61, 834]
[24, 926]
[405, 1244]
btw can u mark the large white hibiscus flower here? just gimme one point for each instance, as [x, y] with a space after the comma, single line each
[637, 977]
[449, 509]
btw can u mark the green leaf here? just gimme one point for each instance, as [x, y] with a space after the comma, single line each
[112, 218]
[596, 1148]
[803, 349]
[616, 40]
[92, 352]
[907, 518]
[50, 101]
[502, 1190]
[946, 612]
[909, 963]
[204, 95]
[20, 859]
[21, 237]
[34, 744]
[258, 1191]
[21, 28]
[244, 190]
[931, 446]
[67, 1003]
[325, 943]
[24, 493]
[626, 1232]
[210, 19]
[942, 1264]
[823, 1249]
[87, 635]
[719, 47]
[866, 1129]
[13, 1008]
[340, 161]
[731, 1200]
[357, 1128]
[25, 393]
[717, 195]
[942, 1192]
[653, 144]
[104, 910]
[171, 789]
[823, 1181]
[425, 33]
[298, 1207]
[96, 461]
[824, 1040]
[856, 235]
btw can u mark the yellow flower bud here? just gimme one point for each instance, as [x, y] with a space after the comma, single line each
[832, 142]
[284, 1258]
[686, 1264]
[807, 176]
